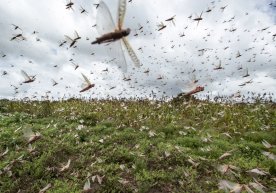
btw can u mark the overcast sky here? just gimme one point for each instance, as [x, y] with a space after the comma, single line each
[171, 55]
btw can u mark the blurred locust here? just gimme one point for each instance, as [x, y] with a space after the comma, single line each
[110, 33]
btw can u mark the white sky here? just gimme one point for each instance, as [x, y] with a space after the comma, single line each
[164, 53]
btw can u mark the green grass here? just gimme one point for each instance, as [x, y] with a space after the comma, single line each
[147, 144]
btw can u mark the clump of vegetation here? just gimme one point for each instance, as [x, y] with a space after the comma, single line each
[136, 146]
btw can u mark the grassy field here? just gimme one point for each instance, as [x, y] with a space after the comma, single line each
[137, 146]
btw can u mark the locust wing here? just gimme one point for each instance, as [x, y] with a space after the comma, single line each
[131, 53]
[104, 21]
[173, 22]
[105, 24]
[115, 51]
[68, 39]
[227, 185]
[87, 81]
[121, 13]
[76, 34]
[201, 14]
[27, 133]
[188, 84]
[83, 86]
[26, 76]
[160, 25]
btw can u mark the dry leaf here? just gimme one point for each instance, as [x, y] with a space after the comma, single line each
[123, 181]
[87, 187]
[234, 187]
[4, 153]
[226, 185]
[257, 186]
[18, 129]
[65, 167]
[122, 167]
[224, 169]
[256, 172]
[167, 154]
[227, 154]
[266, 144]
[45, 188]
[190, 160]
[269, 155]
[100, 179]
[227, 134]
[151, 134]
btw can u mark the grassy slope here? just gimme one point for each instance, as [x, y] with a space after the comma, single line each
[137, 146]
